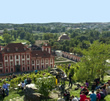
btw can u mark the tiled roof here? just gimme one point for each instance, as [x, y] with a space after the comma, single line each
[63, 37]
[12, 48]
[34, 47]
[1, 59]
[39, 53]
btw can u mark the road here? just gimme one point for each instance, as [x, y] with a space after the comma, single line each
[65, 61]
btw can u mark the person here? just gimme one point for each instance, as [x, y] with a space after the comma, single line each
[25, 81]
[28, 80]
[70, 79]
[97, 81]
[108, 88]
[82, 96]
[68, 95]
[65, 95]
[108, 82]
[93, 96]
[86, 91]
[102, 94]
[87, 84]
[36, 71]
[22, 85]
[98, 96]
[104, 91]
[58, 77]
[2, 92]
[5, 87]
[93, 86]
[74, 98]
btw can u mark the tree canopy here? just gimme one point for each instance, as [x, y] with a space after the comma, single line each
[93, 64]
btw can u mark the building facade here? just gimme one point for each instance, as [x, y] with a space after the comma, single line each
[71, 56]
[15, 57]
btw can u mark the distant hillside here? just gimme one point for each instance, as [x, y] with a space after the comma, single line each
[57, 27]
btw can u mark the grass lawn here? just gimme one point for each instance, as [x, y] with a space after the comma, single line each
[19, 41]
[77, 93]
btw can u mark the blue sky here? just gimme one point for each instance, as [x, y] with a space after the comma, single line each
[44, 11]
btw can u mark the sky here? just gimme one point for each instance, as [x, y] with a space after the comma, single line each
[46, 11]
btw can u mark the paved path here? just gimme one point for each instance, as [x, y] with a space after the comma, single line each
[65, 61]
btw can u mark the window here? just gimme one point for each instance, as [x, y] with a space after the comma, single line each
[42, 66]
[42, 61]
[51, 60]
[7, 70]
[51, 65]
[46, 60]
[5, 57]
[37, 66]
[11, 57]
[11, 63]
[0, 70]
[24, 48]
[17, 62]
[16, 56]
[23, 56]
[46, 66]
[0, 64]
[6, 64]
[23, 62]
[32, 62]
[33, 67]
[37, 61]
[28, 56]
[7, 49]
[28, 68]
[11, 69]
[28, 62]
[16, 48]
[23, 69]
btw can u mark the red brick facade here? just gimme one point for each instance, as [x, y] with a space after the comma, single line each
[15, 57]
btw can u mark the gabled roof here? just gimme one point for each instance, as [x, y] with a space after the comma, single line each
[39, 53]
[12, 48]
[63, 37]
[1, 59]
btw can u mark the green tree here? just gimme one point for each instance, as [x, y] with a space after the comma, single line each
[7, 38]
[93, 63]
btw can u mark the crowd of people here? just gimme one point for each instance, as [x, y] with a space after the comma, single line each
[97, 92]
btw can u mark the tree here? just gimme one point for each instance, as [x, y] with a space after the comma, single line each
[93, 63]
[7, 38]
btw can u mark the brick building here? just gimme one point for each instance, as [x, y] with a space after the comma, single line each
[16, 57]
